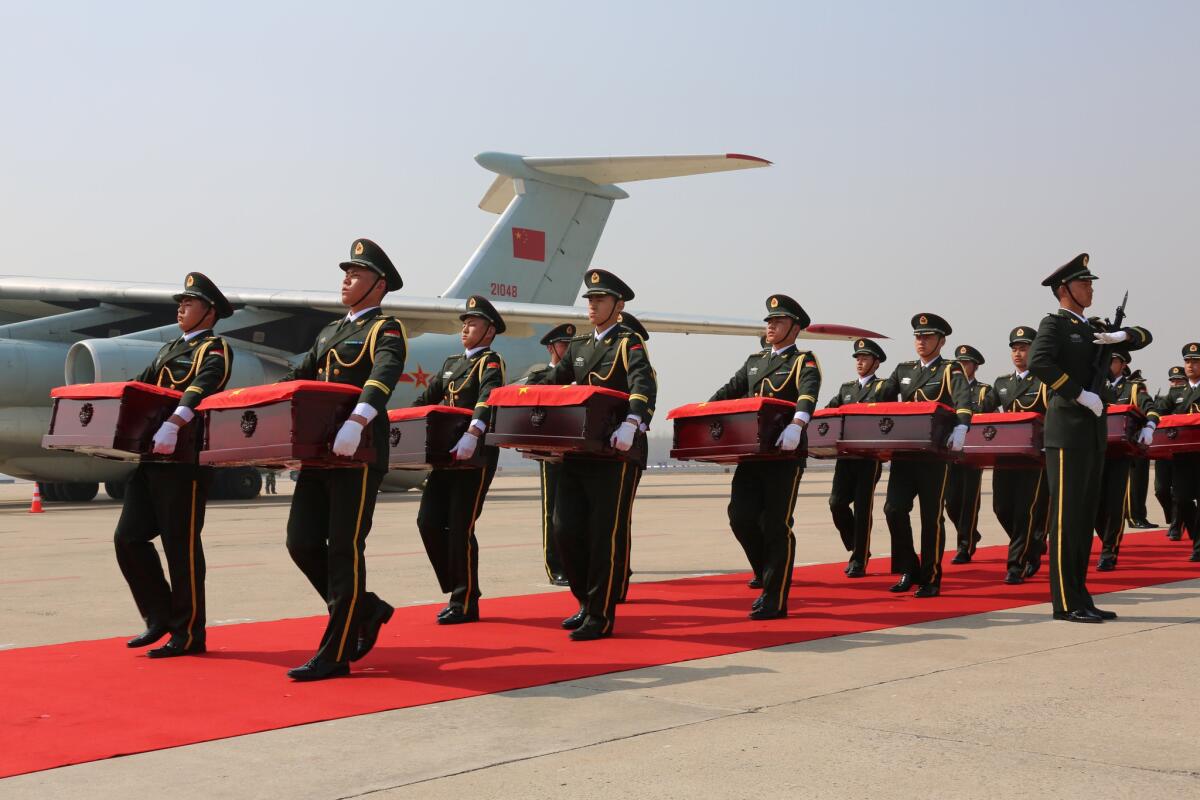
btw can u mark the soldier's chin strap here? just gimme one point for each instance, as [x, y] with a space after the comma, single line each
[791, 325]
[1071, 292]
[482, 337]
[369, 289]
[199, 326]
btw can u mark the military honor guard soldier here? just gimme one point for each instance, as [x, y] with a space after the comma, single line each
[852, 495]
[555, 341]
[929, 378]
[966, 482]
[635, 325]
[453, 498]
[1115, 481]
[762, 497]
[332, 508]
[591, 507]
[168, 499]
[1069, 355]
[1019, 494]
[1176, 379]
[1185, 467]
[1136, 514]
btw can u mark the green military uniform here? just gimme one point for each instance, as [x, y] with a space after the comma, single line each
[1019, 494]
[453, 498]
[1162, 467]
[635, 325]
[941, 380]
[332, 509]
[169, 499]
[592, 504]
[966, 482]
[1136, 514]
[1185, 467]
[1066, 357]
[762, 497]
[852, 494]
[1115, 480]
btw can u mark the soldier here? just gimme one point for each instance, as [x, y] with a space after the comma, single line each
[1114, 480]
[169, 499]
[1019, 496]
[929, 378]
[763, 494]
[1068, 355]
[634, 324]
[854, 479]
[591, 506]
[453, 498]
[1139, 473]
[332, 508]
[555, 341]
[1185, 467]
[966, 482]
[1162, 467]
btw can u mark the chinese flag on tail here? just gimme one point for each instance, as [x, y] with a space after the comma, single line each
[529, 244]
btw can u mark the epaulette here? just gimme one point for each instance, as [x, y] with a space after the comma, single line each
[907, 364]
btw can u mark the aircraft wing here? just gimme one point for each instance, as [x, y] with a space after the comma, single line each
[31, 298]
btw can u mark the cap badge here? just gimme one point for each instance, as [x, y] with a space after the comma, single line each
[1020, 331]
[358, 248]
[471, 303]
[861, 343]
[924, 320]
[774, 302]
[962, 350]
[1192, 349]
[191, 279]
[571, 330]
[595, 277]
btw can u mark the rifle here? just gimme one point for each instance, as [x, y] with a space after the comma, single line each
[1104, 352]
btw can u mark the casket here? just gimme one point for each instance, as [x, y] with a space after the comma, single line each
[557, 421]
[1012, 439]
[730, 431]
[116, 420]
[824, 432]
[1123, 424]
[290, 424]
[1175, 434]
[422, 438]
[887, 430]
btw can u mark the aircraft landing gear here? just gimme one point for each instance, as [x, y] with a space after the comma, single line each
[72, 492]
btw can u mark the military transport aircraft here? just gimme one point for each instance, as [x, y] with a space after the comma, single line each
[552, 213]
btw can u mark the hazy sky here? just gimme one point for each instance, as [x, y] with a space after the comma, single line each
[928, 156]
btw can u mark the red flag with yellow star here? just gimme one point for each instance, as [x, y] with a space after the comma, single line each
[529, 244]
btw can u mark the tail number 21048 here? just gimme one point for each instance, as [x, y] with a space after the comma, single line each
[504, 290]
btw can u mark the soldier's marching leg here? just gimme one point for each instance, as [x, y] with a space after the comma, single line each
[841, 497]
[1139, 486]
[897, 506]
[549, 479]
[138, 560]
[1068, 526]
[1110, 517]
[433, 520]
[307, 529]
[933, 479]
[466, 503]
[572, 514]
[609, 486]
[966, 519]
[867, 477]
[747, 496]
[180, 494]
[628, 534]
[1162, 493]
[1186, 489]
[781, 483]
[956, 501]
[1024, 493]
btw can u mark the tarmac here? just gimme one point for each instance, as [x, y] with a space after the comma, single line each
[1007, 703]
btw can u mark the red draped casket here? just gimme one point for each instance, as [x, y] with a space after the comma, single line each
[1123, 423]
[116, 420]
[1176, 434]
[888, 430]
[730, 431]
[423, 436]
[1009, 439]
[555, 421]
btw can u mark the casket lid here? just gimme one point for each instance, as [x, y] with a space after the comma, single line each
[557, 395]
[827, 412]
[1179, 420]
[420, 412]
[98, 391]
[1005, 417]
[251, 396]
[894, 409]
[741, 405]
[1126, 408]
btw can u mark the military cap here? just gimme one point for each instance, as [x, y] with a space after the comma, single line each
[931, 323]
[365, 253]
[601, 281]
[780, 305]
[482, 307]
[866, 347]
[1122, 354]
[1191, 350]
[634, 324]
[1022, 334]
[964, 352]
[1074, 270]
[199, 285]
[559, 333]
[1176, 374]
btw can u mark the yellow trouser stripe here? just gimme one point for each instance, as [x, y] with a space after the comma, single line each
[362, 502]
[629, 533]
[786, 578]
[1062, 587]
[975, 516]
[1037, 492]
[192, 564]
[612, 554]
[871, 510]
[470, 533]
[546, 523]
[941, 526]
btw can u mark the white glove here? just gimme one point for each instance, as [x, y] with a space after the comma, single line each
[1110, 338]
[1146, 436]
[164, 440]
[957, 437]
[346, 442]
[790, 438]
[1091, 401]
[622, 438]
[465, 447]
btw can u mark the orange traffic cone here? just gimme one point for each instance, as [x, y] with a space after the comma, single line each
[36, 506]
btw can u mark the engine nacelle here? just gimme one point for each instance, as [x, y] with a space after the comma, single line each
[121, 359]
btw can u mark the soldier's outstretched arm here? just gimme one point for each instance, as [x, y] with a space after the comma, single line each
[1136, 338]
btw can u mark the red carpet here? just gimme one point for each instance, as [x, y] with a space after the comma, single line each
[83, 701]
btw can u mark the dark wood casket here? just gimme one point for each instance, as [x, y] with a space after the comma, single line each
[550, 422]
[890, 430]
[290, 424]
[824, 432]
[730, 431]
[116, 420]
[1008, 439]
[1124, 423]
[422, 438]
[1176, 434]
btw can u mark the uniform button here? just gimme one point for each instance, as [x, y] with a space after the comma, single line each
[337, 371]
[321, 371]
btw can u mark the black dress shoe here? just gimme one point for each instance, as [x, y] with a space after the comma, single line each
[175, 647]
[314, 670]
[856, 570]
[769, 613]
[1014, 577]
[148, 637]
[1106, 564]
[589, 631]
[1082, 615]
[1174, 534]
[1195, 556]
[903, 585]
[961, 557]
[754, 583]
[1102, 614]
[456, 616]
[575, 620]
[1143, 523]
[559, 580]
[928, 590]
[368, 634]
[758, 602]
[1031, 568]
[446, 609]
